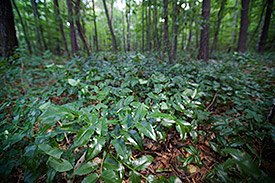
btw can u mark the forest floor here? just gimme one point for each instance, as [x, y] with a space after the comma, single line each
[134, 118]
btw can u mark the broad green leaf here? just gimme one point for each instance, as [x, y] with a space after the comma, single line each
[142, 163]
[102, 127]
[50, 175]
[96, 147]
[163, 106]
[54, 152]
[142, 81]
[120, 147]
[90, 178]
[140, 112]
[188, 160]
[135, 139]
[147, 129]
[83, 136]
[111, 164]
[52, 114]
[134, 177]
[73, 82]
[85, 168]
[109, 176]
[59, 165]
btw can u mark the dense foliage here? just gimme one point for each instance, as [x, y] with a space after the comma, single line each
[115, 117]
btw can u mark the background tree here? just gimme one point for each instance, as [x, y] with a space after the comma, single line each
[7, 29]
[72, 27]
[204, 40]
[243, 27]
[266, 26]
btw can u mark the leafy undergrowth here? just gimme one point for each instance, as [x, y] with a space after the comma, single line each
[131, 118]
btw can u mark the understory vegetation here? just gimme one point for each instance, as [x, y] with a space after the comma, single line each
[135, 118]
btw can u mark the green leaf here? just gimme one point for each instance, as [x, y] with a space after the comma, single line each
[120, 147]
[90, 178]
[140, 112]
[50, 175]
[59, 165]
[135, 139]
[96, 147]
[147, 129]
[142, 163]
[52, 114]
[109, 176]
[188, 160]
[54, 152]
[85, 168]
[83, 136]
[134, 177]
[111, 164]
[73, 82]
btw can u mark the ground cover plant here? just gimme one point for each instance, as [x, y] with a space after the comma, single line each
[134, 118]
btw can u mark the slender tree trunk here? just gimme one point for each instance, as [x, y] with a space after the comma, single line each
[142, 19]
[41, 29]
[95, 28]
[189, 38]
[110, 27]
[220, 16]
[197, 36]
[259, 24]
[48, 35]
[60, 23]
[266, 26]
[123, 31]
[156, 39]
[79, 27]
[244, 26]
[149, 27]
[166, 44]
[72, 28]
[128, 18]
[8, 37]
[182, 41]
[23, 27]
[175, 29]
[233, 37]
[34, 11]
[204, 41]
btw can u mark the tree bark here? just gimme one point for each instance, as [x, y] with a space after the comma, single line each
[142, 19]
[72, 28]
[79, 27]
[60, 24]
[266, 26]
[156, 37]
[220, 16]
[259, 24]
[128, 19]
[244, 26]
[110, 27]
[23, 27]
[95, 28]
[166, 44]
[233, 38]
[149, 26]
[38, 38]
[175, 29]
[8, 37]
[189, 38]
[204, 40]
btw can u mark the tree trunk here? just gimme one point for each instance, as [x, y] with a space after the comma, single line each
[233, 38]
[197, 35]
[266, 26]
[204, 40]
[259, 24]
[156, 37]
[244, 26]
[166, 44]
[48, 35]
[60, 23]
[7, 29]
[149, 27]
[72, 28]
[142, 19]
[128, 19]
[34, 11]
[110, 27]
[23, 27]
[95, 28]
[175, 29]
[220, 16]
[123, 32]
[79, 27]
[189, 38]
[182, 41]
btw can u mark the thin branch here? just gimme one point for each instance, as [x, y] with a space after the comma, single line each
[212, 102]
